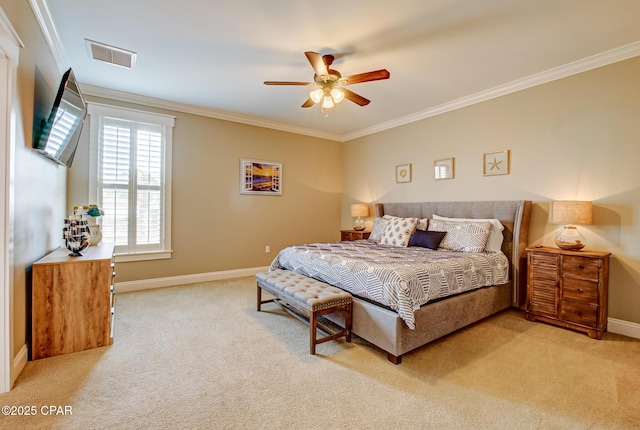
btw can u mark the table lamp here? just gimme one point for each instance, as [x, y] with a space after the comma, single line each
[359, 210]
[570, 213]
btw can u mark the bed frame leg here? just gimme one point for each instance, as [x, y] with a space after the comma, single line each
[395, 359]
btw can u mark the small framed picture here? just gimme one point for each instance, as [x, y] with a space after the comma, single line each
[260, 177]
[495, 163]
[403, 173]
[443, 169]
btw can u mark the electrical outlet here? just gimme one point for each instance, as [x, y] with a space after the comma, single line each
[267, 249]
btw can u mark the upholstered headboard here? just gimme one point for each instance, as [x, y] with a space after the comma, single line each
[514, 215]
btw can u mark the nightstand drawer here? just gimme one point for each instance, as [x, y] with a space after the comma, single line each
[580, 290]
[585, 268]
[579, 313]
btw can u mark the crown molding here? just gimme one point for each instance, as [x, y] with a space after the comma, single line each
[48, 28]
[95, 91]
[625, 52]
[605, 58]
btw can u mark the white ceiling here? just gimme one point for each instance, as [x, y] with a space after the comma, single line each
[212, 57]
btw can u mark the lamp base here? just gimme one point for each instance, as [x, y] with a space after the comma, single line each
[358, 224]
[570, 239]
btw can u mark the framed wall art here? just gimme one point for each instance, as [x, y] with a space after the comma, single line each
[403, 173]
[260, 177]
[495, 163]
[443, 169]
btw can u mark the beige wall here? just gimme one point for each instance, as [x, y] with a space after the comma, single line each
[575, 138]
[39, 185]
[214, 227]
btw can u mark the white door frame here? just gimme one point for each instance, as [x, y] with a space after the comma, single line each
[10, 45]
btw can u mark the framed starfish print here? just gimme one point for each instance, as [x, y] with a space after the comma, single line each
[495, 163]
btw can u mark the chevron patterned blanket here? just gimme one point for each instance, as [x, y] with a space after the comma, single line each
[402, 279]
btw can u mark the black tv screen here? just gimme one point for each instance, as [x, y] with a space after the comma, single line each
[59, 132]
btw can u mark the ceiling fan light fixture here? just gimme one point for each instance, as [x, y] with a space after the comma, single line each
[316, 95]
[337, 95]
[327, 103]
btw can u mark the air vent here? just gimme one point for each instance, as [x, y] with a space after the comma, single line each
[110, 54]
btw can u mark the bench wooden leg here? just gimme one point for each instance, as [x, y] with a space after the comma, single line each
[348, 312]
[313, 324]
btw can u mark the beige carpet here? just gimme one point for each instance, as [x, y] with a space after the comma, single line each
[201, 357]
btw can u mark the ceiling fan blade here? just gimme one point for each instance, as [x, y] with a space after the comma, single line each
[317, 63]
[308, 103]
[287, 83]
[356, 98]
[376, 75]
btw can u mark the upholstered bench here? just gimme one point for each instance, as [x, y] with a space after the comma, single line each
[306, 299]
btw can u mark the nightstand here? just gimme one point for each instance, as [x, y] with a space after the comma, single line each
[348, 235]
[568, 289]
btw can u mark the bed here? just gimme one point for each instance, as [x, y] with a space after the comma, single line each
[400, 301]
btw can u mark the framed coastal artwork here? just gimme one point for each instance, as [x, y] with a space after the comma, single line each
[443, 169]
[260, 177]
[403, 173]
[495, 163]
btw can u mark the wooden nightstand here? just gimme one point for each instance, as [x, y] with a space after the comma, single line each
[348, 235]
[568, 289]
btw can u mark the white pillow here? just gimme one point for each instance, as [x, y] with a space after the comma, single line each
[398, 231]
[423, 223]
[462, 236]
[494, 243]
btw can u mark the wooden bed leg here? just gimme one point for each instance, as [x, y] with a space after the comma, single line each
[394, 359]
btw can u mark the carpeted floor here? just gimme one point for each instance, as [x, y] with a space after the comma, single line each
[201, 357]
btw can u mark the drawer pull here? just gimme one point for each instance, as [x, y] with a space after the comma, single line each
[580, 290]
[580, 266]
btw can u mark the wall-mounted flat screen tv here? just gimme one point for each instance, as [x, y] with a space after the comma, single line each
[59, 132]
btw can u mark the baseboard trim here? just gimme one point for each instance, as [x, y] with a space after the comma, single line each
[19, 362]
[172, 281]
[625, 328]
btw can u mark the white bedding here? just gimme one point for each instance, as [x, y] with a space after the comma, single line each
[402, 278]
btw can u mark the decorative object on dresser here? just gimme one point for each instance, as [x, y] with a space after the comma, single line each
[94, 212]
[359, 210]
[349, 235]
[76, 233]
[73, 301]
[495, 163]
[570, 213]
[568, 289]
[443, 169]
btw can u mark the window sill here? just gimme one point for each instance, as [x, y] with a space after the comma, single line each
[143, 256]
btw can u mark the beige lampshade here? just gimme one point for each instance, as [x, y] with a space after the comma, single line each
[570, 212]
[360, 209]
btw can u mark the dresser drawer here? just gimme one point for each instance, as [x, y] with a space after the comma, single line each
[585, 268]
[579, 313]
[580, 290]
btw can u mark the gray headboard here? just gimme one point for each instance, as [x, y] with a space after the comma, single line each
[514, 215]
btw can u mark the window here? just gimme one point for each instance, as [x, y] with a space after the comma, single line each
[131, 180]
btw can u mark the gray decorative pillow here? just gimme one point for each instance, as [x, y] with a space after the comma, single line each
[398, 231]
[379, 224]
[464, 237]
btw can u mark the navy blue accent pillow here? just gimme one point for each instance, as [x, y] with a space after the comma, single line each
[427, 239]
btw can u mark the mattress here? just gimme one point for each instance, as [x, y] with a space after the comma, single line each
[401, 278]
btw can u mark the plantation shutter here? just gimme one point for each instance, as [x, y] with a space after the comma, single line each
[131, 183]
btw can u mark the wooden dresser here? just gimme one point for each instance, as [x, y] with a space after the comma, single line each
[568, 289]
[73, 301]
[348, 235]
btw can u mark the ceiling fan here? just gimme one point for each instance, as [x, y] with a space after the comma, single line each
[332, 83]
